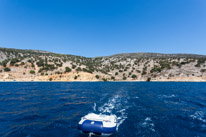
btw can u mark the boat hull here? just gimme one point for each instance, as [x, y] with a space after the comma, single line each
[96, 127]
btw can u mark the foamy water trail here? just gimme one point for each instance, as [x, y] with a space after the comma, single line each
[146, 127]
[116, 105]
[167, 96]
[199, 115]
[94, 107]
[148, 124]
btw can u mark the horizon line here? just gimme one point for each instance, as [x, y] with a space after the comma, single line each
[178, 53]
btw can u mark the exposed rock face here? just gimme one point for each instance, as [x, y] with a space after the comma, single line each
[34, 65]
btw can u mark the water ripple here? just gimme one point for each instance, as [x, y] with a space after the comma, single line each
[39, 109]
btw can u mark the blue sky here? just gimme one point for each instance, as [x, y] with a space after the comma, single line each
[104, 27]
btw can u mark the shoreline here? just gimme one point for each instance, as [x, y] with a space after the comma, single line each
[105, 81]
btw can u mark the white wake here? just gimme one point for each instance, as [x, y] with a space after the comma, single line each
[116, 105]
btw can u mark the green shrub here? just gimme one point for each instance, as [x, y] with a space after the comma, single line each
[7, 69]
[13, 61]
[203, 70]
[183, 63]
[120, 70]
[156, 69]
[134, 76]
[22, 63]
[113, 78]
[104, 79]
[165, 64]
[138, 71]
[86, 70]
[200, 61]
[67, 69]
[57, 72]
[4, 63]
[78, 69]
[97, 76]
[73, 66]
[32, 65]
[149, 79]
[40, 63]
[49, 67]
[32, 72]
[144, 72]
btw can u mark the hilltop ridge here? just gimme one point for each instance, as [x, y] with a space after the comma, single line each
[37, 65]
[157, 55]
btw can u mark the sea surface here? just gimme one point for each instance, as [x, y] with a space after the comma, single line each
[144, 109]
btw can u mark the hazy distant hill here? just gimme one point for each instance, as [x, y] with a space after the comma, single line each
[35, 65]
[157, 55]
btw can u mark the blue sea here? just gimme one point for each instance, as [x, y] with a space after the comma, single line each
[143, 109]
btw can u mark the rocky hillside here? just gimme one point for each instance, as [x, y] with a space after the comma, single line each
[34, 65]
